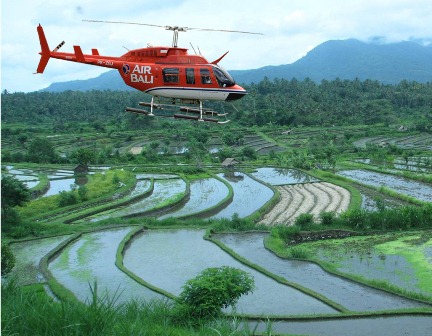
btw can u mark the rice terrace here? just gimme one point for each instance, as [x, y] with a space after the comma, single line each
[110, 221]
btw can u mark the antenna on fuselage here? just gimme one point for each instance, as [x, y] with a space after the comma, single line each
[193, 48]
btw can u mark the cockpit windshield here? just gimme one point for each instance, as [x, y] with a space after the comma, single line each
[224, 79]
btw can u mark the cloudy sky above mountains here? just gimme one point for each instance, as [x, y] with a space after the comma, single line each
[291, 29]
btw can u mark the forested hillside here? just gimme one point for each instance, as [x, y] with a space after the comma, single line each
[279, 101]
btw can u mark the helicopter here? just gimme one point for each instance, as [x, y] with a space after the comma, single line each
[169, 74]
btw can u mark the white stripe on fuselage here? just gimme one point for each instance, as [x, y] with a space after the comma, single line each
[191, 93]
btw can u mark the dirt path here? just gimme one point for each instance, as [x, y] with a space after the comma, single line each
[312, 198]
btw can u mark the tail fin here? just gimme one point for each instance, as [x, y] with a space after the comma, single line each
[45, 53]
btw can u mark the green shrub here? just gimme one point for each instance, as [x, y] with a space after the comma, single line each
[213, 289]
[327, 218]
[285, 233]
[7, 259]
[67, 198]
[304, 220]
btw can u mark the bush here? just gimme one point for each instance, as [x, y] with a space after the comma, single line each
[298, 252]
[67, 198]
[327, 218]
[286, 233]
[304, 220]
[7, 260]
[213, 289]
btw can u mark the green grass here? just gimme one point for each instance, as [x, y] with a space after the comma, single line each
[29, 311]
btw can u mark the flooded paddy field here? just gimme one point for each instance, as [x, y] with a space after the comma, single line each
[204, 193]
[92, 258]
[168, 258]
[349, 294]
[170, 261]
[402, 260]
[249, 195]
[421, 191]
[28, 255]
[163, 189]
[416, 325]
[282, 176]
[57, 186]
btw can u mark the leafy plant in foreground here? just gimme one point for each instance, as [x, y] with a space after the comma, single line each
[7, 260]
[213, 289]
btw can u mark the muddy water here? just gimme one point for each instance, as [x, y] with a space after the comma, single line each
[249, 196]
[167, 259]
[92, 258]
[282, 176]
[349, 294]
[379, 326]
[204, 193]
[401, 185]
[28, 255]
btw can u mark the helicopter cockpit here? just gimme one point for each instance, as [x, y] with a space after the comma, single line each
[224, 79]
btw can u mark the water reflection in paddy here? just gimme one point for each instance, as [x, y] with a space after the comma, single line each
[92, 258]
[140, 187]
[379, 326]
[163, 189]
[349, 294]
[401, 185]
[204, 193]
[282, 176]
[167, 259]
[56, 186]
[249, 195]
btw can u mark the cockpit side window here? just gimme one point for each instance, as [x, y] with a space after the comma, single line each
[171, 75]
[205, 76]
[224, 79]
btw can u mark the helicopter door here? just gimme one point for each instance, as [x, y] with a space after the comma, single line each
[205, 76]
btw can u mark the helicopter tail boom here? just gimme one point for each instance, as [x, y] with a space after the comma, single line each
[45, 51]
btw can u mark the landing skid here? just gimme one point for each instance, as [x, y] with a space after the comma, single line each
[169, 109]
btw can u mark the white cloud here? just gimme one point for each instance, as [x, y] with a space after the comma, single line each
[291, 29]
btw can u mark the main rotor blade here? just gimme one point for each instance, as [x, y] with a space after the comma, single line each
[176, 27]
[132, 23]
[223, 30]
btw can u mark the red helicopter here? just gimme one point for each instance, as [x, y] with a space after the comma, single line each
[163, 72]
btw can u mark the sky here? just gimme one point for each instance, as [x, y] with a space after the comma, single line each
[290, 29]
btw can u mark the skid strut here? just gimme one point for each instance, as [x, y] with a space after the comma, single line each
[197, 113]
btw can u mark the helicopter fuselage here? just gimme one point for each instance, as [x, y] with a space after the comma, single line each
[159, 71]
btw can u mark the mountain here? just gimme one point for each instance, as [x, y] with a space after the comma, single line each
[350, 59]
[344, 59]
[109, 80]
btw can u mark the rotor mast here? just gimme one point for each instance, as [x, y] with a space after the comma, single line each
[176, 30]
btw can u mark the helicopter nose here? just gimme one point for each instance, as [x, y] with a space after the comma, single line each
[237, 92]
